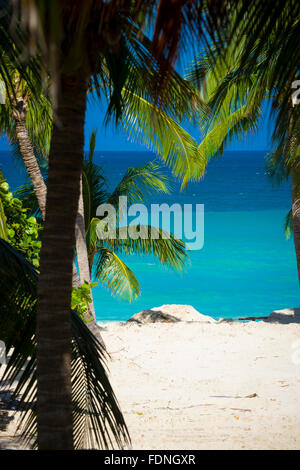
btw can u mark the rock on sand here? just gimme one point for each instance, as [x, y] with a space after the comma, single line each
[171, 314]
[287, 315]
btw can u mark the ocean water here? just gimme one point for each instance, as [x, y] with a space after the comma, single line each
[246, 266]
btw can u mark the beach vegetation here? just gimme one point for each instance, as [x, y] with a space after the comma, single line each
[238, 91]
[97, 418]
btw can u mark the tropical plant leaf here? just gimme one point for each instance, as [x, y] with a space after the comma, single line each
[169, 250]
[27, 195]
[3, 227]
[97, 419]
[115, 274]
[148, 124]
[233, 125]
[288, 225]
[139, 182]
[95, 192]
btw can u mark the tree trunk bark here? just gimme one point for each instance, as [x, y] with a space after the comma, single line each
[40, 190]
[296, 216]
[54, 398]
[83, 263]
[30, 161]
[293, 143]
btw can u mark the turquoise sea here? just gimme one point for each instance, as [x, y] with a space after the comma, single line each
[246, 266]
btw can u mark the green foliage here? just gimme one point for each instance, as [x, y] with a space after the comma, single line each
[137, 184]
[21, 231]
[146, 123]
[233, 100]
[109, 269]
[81, 297]
[115, 274]
[288, 225]
[27, 89]
[234, 91]
[97, 418]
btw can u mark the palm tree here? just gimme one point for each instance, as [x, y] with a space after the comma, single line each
[235, 95]
[97, 420]
[19, 112]
[136, 185]
[284, 163]
[104, 262]
[26, 119]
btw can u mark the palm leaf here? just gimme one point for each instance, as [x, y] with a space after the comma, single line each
[28, 197]
[97, 419]
[92, 145]
[169, 250]
[288, 225]
[150, 125]
[233, 125]
[115, 274]
[94, 189]
[139, 182]
[3, 226]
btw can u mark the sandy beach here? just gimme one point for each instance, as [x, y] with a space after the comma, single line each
[201, 385]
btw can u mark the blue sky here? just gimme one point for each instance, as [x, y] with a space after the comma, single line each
[111, 139]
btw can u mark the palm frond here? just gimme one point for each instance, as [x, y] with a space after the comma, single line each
[288, 225]
[137, 70]
[115, 274]
[223, 130]
[169, 250]
[145, 123]
[276, 165]
[97, 419]
[37, 106]
[28, 197]
[273, 24]
[39, 125]
[92, 145]
[94, 187]
[233, 97]
[14, 42]
[3, 226]
[139, 182]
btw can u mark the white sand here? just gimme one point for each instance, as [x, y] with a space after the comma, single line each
[189, 385]
[184, 385]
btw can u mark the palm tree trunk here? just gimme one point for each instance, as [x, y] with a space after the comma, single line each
[29, 158]
[296, 216]
[83, 263]
[84, 270]
[32, 166]
[293, 142]
[54, 399]
[40, 189]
